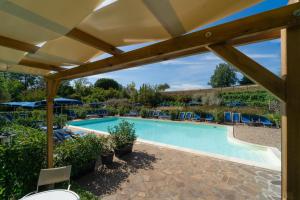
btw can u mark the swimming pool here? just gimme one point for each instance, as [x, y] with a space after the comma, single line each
[209, 139]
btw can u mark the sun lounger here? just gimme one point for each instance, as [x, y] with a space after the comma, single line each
[227, 117]
[44, 128]
[62, 134]
[151, 113]
[92, 114]
[255, 119]
[163, 115]
[102, 113]
[181, 115]
[197, 117]
[208, 118]
[133, 113]
[156, 113]
[245, 119]
[236, 117]
[265, 121]
[188, 115]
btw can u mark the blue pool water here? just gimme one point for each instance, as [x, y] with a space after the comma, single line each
[199, 137]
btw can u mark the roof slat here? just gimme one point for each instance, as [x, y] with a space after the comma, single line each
[18, 45]
[165, 14]
[39, 65]
[90, 40]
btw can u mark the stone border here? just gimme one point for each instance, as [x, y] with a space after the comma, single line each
[230, 137]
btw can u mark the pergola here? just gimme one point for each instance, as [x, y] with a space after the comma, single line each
[58, 39]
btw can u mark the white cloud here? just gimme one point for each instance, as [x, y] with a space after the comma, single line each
[210, 57]
[92, 79]
[186, 86]
[179, 62]
[262, 55]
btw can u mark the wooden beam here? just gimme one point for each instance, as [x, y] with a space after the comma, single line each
[39, 65]
[166, 15]
[251, 69]
[270, 35]
[199, 50]
[18, 45]
[250, 26]
[52, 86]
[291, 117]
[90, 40]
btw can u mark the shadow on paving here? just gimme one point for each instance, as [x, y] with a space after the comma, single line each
[107, 179]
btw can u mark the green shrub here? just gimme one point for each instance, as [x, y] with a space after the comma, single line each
[123, 134]
[275, 118]
[250, 98]
[39, 115]
[218, 115]
[123, 110]
[21, 161]
[112, 111]
[28, 122]
[107, 144]
[174, 114]
[81, 153]
[60, 120]
[81, 112]
[144, 113]
[33, 120]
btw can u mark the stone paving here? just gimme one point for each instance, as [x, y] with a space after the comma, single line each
[153, 172]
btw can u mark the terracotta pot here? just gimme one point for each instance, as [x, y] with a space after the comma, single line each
[124, 151]
[107, 158]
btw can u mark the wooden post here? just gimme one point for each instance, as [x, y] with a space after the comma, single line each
[290, 47]
[291, 114]
[52, 86]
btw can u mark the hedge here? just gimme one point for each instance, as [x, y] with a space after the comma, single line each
[21, 161]
[250, 98]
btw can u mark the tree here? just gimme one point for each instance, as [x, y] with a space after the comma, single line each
[106, 83]
[33, 95]
[4, 92]
[163, 87]
[224, 76]
[65, 89]
[245, 81]
[132, 92]
[149, 95]
[82, 88]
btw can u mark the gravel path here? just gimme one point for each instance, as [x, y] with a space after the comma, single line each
[259, 135]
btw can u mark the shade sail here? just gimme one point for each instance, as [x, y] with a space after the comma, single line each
[47, 27]
[37, 104]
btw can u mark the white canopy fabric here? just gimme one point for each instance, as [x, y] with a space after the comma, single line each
[46, 23]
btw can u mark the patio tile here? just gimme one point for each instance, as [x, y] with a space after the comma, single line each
[152, 172]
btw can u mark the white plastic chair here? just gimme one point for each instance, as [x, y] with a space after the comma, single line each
[53, 175]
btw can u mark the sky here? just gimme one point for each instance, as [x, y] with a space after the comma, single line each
[194, 72]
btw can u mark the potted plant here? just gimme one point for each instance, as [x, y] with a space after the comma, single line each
[107, 154]
[123, 136]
